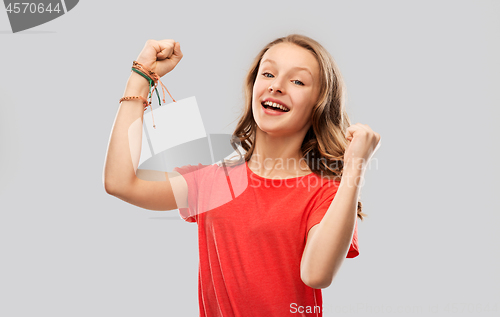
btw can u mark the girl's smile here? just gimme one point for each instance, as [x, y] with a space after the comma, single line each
[274, 106]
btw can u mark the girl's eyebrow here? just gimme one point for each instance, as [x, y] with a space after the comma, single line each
[296, 67]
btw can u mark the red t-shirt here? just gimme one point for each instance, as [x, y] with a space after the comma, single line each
[251, 234]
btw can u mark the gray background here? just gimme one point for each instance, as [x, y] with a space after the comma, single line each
[422, 74]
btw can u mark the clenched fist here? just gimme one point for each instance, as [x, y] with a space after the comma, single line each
[160, 56]
[363, 142]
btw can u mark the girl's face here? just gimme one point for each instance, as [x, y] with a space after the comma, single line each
[288, 75]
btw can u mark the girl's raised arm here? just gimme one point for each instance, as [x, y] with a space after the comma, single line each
[152, 190]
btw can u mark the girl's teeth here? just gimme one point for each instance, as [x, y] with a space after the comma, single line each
[275, 105]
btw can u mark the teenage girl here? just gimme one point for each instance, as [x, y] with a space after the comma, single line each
[274, 230]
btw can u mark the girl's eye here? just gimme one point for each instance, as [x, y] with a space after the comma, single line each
[300, 83]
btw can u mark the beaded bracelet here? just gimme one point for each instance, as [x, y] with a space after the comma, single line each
[144, 100]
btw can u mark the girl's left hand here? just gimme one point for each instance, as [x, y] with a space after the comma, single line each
[363, 143]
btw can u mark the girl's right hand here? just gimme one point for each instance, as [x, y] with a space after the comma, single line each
[160, 56]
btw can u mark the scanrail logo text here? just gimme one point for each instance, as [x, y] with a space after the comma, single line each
[26, 15]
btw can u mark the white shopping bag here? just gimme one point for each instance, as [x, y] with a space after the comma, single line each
[176, 123]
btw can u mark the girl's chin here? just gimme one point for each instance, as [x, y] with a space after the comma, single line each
[271, 129]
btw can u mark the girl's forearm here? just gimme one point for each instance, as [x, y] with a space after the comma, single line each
[329, 245]
[124, 146]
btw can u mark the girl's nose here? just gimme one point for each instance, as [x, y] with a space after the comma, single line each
[274, 88]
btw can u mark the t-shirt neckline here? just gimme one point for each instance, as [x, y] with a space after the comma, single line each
[274, 179]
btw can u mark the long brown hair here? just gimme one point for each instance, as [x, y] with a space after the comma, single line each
[325, 141]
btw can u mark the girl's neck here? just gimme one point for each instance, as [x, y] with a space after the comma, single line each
[278, 156]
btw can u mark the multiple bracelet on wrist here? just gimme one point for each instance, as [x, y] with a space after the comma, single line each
[153, 80]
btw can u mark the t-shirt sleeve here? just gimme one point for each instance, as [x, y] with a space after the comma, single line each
[191, 174]
[317, 215]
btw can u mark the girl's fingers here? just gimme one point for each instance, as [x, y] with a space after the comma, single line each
[362, 129]
[163, 48]
[176, 54]
[350, 131]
